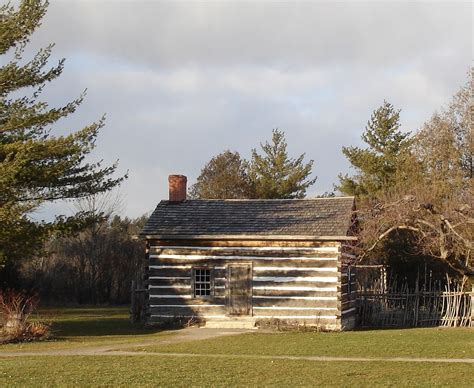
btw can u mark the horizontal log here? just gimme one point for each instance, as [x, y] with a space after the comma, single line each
[294, 271]
[211, 242]
[167, 278]
[313, 317]
[282, 302]
[248, 252]
[162, 281]
[289, 309]
[205, 257]
[159, 300]
[156, 264]
[286, 288]
[243, 249]
[164, 263]
[294, 279]
[295, 286]
[172, 271]
[293, 293]
[170, 289]
[155, 318]
[173, 281]
[196, 310]
[219, 284]
[294, 313]
[183, 291]
[162, 295]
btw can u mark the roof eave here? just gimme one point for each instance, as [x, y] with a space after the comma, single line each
[245, 237]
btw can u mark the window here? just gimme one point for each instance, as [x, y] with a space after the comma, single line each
[202, 282]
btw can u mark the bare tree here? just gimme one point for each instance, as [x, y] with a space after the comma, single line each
[441, 231]
[433, 198]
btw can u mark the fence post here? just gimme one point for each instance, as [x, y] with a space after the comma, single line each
[133, 309]
[472, 306]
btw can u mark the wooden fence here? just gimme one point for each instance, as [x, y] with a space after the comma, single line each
[449, 305]
[138, 302]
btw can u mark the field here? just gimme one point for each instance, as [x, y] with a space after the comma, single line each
[99, 347]
[87, 327]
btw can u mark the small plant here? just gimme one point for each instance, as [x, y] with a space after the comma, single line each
[288, 325]
[16, 308]
[179, 322]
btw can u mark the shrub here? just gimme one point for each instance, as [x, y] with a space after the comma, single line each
[16, 308]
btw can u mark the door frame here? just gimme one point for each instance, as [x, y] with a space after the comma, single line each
[228, 288]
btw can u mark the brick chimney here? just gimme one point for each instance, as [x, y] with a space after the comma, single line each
[177, 188]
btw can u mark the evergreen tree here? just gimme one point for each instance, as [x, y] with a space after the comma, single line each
[275, 175]
[223, 177]
[378, 166]
[35, 165]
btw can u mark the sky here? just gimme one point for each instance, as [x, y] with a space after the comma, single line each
[182, 81]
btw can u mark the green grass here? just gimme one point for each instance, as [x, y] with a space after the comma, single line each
[424, 342]
[83, 327]
[87, 326]
[164, 371]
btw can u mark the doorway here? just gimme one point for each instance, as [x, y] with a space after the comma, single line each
[240, 289]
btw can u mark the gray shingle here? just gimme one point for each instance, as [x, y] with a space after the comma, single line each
[292, 217]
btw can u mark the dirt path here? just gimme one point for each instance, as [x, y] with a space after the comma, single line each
[184, 335]
[194, 334]
[306, 358]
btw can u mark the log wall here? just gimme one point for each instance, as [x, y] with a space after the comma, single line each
[297, 281]
[348, 288]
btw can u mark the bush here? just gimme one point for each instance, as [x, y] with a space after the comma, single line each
[289, 325]
[16, 308]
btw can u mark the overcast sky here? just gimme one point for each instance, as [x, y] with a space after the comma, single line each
[182, 81]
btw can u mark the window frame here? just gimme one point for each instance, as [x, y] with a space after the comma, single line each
[211, 282]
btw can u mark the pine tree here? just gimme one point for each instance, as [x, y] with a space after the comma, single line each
[35, 165]
[275, 175]
[378, 166]
[225, 176]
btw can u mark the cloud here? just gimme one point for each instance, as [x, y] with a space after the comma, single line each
[182, 81]
[168, 34]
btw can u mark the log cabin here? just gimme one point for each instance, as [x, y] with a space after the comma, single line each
[241, 263]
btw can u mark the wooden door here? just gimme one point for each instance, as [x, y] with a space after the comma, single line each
[240, 289]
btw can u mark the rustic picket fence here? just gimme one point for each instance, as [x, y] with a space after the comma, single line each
[394, 305]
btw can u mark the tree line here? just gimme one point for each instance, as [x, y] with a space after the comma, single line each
[414, 190]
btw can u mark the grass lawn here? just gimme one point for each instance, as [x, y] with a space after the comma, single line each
[75, 328]
[423, 343]
[185, 372]
[87, 326]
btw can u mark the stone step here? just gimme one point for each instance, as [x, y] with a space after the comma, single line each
[231, 323]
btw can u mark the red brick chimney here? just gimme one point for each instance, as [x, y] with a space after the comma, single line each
[177, 188]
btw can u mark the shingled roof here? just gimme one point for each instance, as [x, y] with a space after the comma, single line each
[323, 218]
